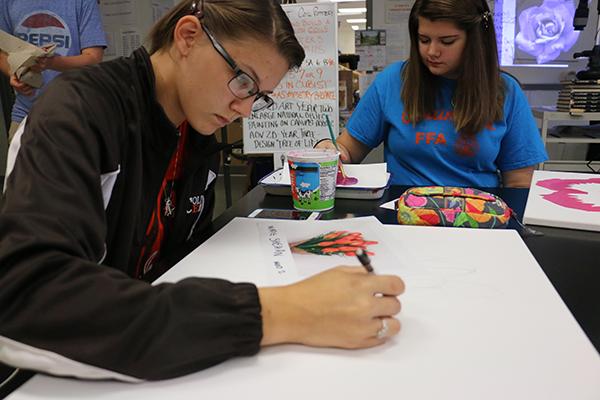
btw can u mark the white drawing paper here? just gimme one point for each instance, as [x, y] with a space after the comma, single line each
[475, 326]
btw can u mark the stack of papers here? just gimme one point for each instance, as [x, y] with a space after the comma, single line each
[373, 179]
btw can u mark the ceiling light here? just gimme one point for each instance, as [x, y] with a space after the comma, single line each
[356, 20]
[355, 27]
[344, 15]
[357, 10]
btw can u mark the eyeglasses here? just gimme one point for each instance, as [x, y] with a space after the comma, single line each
[242, 85]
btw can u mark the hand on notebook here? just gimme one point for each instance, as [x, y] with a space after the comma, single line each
[336, 308]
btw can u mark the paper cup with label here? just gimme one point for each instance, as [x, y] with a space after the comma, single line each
[313, 175]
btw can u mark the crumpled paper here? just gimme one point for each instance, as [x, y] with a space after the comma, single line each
[22, 56]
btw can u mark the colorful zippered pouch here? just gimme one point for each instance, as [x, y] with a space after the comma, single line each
[452, 206]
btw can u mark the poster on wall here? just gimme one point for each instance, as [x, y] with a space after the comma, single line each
[370, 46]
[305, 96]
[395, 22]
[540, 32]
[127, 22]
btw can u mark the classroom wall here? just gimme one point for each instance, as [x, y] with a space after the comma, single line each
[345, 38]
[397, 28]
[130, 28]
[531, 77]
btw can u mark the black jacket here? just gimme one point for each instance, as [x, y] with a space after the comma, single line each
[92, 158]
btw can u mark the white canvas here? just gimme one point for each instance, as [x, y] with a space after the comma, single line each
[564, 200]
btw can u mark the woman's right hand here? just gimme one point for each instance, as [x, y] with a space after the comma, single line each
[21, 87]
[341, 307]
[328, 144]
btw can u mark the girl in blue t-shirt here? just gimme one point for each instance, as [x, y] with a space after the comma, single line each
[447, 115]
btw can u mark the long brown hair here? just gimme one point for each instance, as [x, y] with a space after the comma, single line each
[236, 19]
[479, 95]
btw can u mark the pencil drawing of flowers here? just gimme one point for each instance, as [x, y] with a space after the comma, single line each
[545, 31]
[333, 243]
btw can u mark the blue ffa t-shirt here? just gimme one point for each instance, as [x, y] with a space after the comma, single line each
[432, 152]
[72, 24]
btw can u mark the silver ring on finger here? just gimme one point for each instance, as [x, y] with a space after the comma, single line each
[383, 331]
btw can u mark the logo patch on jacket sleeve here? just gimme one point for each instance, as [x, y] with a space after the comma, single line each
[197, 204]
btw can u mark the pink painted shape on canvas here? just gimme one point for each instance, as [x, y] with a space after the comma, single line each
[564, 193]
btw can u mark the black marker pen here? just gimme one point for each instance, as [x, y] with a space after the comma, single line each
[364, 260]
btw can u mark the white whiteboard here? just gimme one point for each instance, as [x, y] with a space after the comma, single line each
[305, 96]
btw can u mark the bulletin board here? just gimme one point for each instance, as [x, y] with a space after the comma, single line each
[370, 45]
[304, 96]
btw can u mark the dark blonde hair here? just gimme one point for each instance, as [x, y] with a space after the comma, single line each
[479, 96]
[236, 20]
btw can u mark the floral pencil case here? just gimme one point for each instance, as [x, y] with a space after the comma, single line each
[452, 206]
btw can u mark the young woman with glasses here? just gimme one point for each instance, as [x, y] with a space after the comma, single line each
[114, 173]
[447, 116]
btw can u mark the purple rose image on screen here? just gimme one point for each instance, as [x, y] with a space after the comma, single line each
[546, 30]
